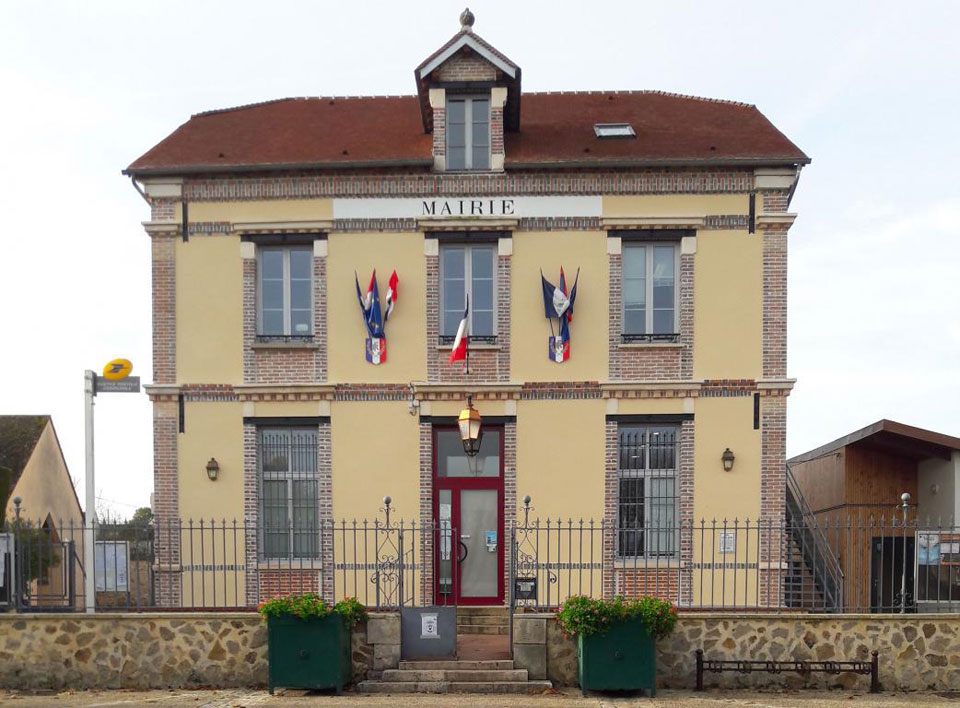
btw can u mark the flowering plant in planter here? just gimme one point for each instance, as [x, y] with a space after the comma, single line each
[616, 640]
[585, 616]
[310, 605]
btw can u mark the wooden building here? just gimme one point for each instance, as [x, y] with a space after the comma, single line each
[854, 487]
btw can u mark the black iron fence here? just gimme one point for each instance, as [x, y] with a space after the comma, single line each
[800, 563]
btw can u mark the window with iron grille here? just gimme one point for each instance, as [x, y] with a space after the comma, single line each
[289, 493]
[285, 292]
[647, 491]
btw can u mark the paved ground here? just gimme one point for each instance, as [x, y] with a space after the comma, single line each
[564, 699]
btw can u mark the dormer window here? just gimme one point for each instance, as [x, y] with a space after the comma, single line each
[614, 130]
[468, 132]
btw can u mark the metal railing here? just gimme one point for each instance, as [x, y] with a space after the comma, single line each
[892, 563]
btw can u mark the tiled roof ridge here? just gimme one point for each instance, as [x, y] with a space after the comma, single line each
[649, 92]
[257, 104]
[618, 92]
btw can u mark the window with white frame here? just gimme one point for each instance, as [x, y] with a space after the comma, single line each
[647, 491]
[468, 132]
[289, 492]
[650, 291]
[285, 291]
[468, 270]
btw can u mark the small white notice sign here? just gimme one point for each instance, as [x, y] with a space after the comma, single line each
[429, 627]
[728, 541]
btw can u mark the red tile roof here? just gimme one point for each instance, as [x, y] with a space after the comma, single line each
[555, 129]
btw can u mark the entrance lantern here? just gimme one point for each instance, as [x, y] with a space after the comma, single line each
[471, 433]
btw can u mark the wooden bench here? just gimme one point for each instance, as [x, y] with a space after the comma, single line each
[804, 668]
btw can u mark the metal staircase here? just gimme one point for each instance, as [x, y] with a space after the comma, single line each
[815, 579]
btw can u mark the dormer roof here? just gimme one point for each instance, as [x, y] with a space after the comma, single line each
[467, 43]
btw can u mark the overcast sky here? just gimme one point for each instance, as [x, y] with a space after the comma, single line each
[868, 90]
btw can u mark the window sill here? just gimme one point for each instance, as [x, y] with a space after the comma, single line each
[474, 347]
[649, 345]
[282, 344]
[646, 563]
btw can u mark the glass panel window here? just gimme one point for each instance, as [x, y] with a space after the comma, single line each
[289, 496]
[647, 487]
[468, 270]
[452, 461]
[650, 290]
[285, 291]
[468, 133]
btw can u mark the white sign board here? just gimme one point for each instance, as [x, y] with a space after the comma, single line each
[728, 542]
[6, 546]
[111, 560]
[429, 626]
[468, 207]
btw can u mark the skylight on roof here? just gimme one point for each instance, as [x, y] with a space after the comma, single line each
[614, 130]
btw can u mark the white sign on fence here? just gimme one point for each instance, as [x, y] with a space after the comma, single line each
[111, 561]
[6, 546]
[728, 542]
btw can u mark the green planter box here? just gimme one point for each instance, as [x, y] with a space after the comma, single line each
[312, 653]
[623, 658]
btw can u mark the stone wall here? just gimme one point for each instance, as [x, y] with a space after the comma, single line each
[160, 650]
[917, 652]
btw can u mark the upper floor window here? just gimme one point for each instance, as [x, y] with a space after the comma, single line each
[285, 291]
[650, 292]
[647, 491]
[468, 270]
[468, 133]
[290, 492]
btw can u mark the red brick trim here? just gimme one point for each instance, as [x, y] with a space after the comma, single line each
[556, 390]
[485, 364]
[335, 184]
[166, 502]
[647, 577]
[773, 434]
[284, 366]
[164, 284]
[655, 363]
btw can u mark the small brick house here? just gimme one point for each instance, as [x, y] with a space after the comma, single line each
[267, 221]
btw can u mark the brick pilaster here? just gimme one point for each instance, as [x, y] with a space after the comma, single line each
[166, 503]
[251, 514]
[164, 286]
[426, 514]
[773, 433]
[509, 498]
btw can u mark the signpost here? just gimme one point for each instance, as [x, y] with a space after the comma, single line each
[115, 379]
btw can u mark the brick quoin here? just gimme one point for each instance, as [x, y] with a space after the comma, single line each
[166, 502]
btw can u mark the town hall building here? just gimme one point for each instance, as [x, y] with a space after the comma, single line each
[317, 262]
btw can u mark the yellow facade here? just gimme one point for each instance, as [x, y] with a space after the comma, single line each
[548, 251]
[209, 310]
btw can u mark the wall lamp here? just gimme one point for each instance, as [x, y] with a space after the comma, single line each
[213, 469]
[728, 459]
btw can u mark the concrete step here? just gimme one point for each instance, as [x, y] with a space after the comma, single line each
[482, 629]
[482, 619]
[441, 664]
[454, 675]
[454, 687]
[467, 610]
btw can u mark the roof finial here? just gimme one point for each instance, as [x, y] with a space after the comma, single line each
[466, 20]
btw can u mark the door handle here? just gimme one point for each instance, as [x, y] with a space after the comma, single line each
[465, 550]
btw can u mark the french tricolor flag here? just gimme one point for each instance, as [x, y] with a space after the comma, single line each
[391, 295]
[459, 352]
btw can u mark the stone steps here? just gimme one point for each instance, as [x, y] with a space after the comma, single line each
[482, 629]
[527, 687]
[481, 619]
[452, 664]
[449, 676]
[454, 675]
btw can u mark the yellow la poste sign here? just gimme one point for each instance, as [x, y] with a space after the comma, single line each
[117, 370]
